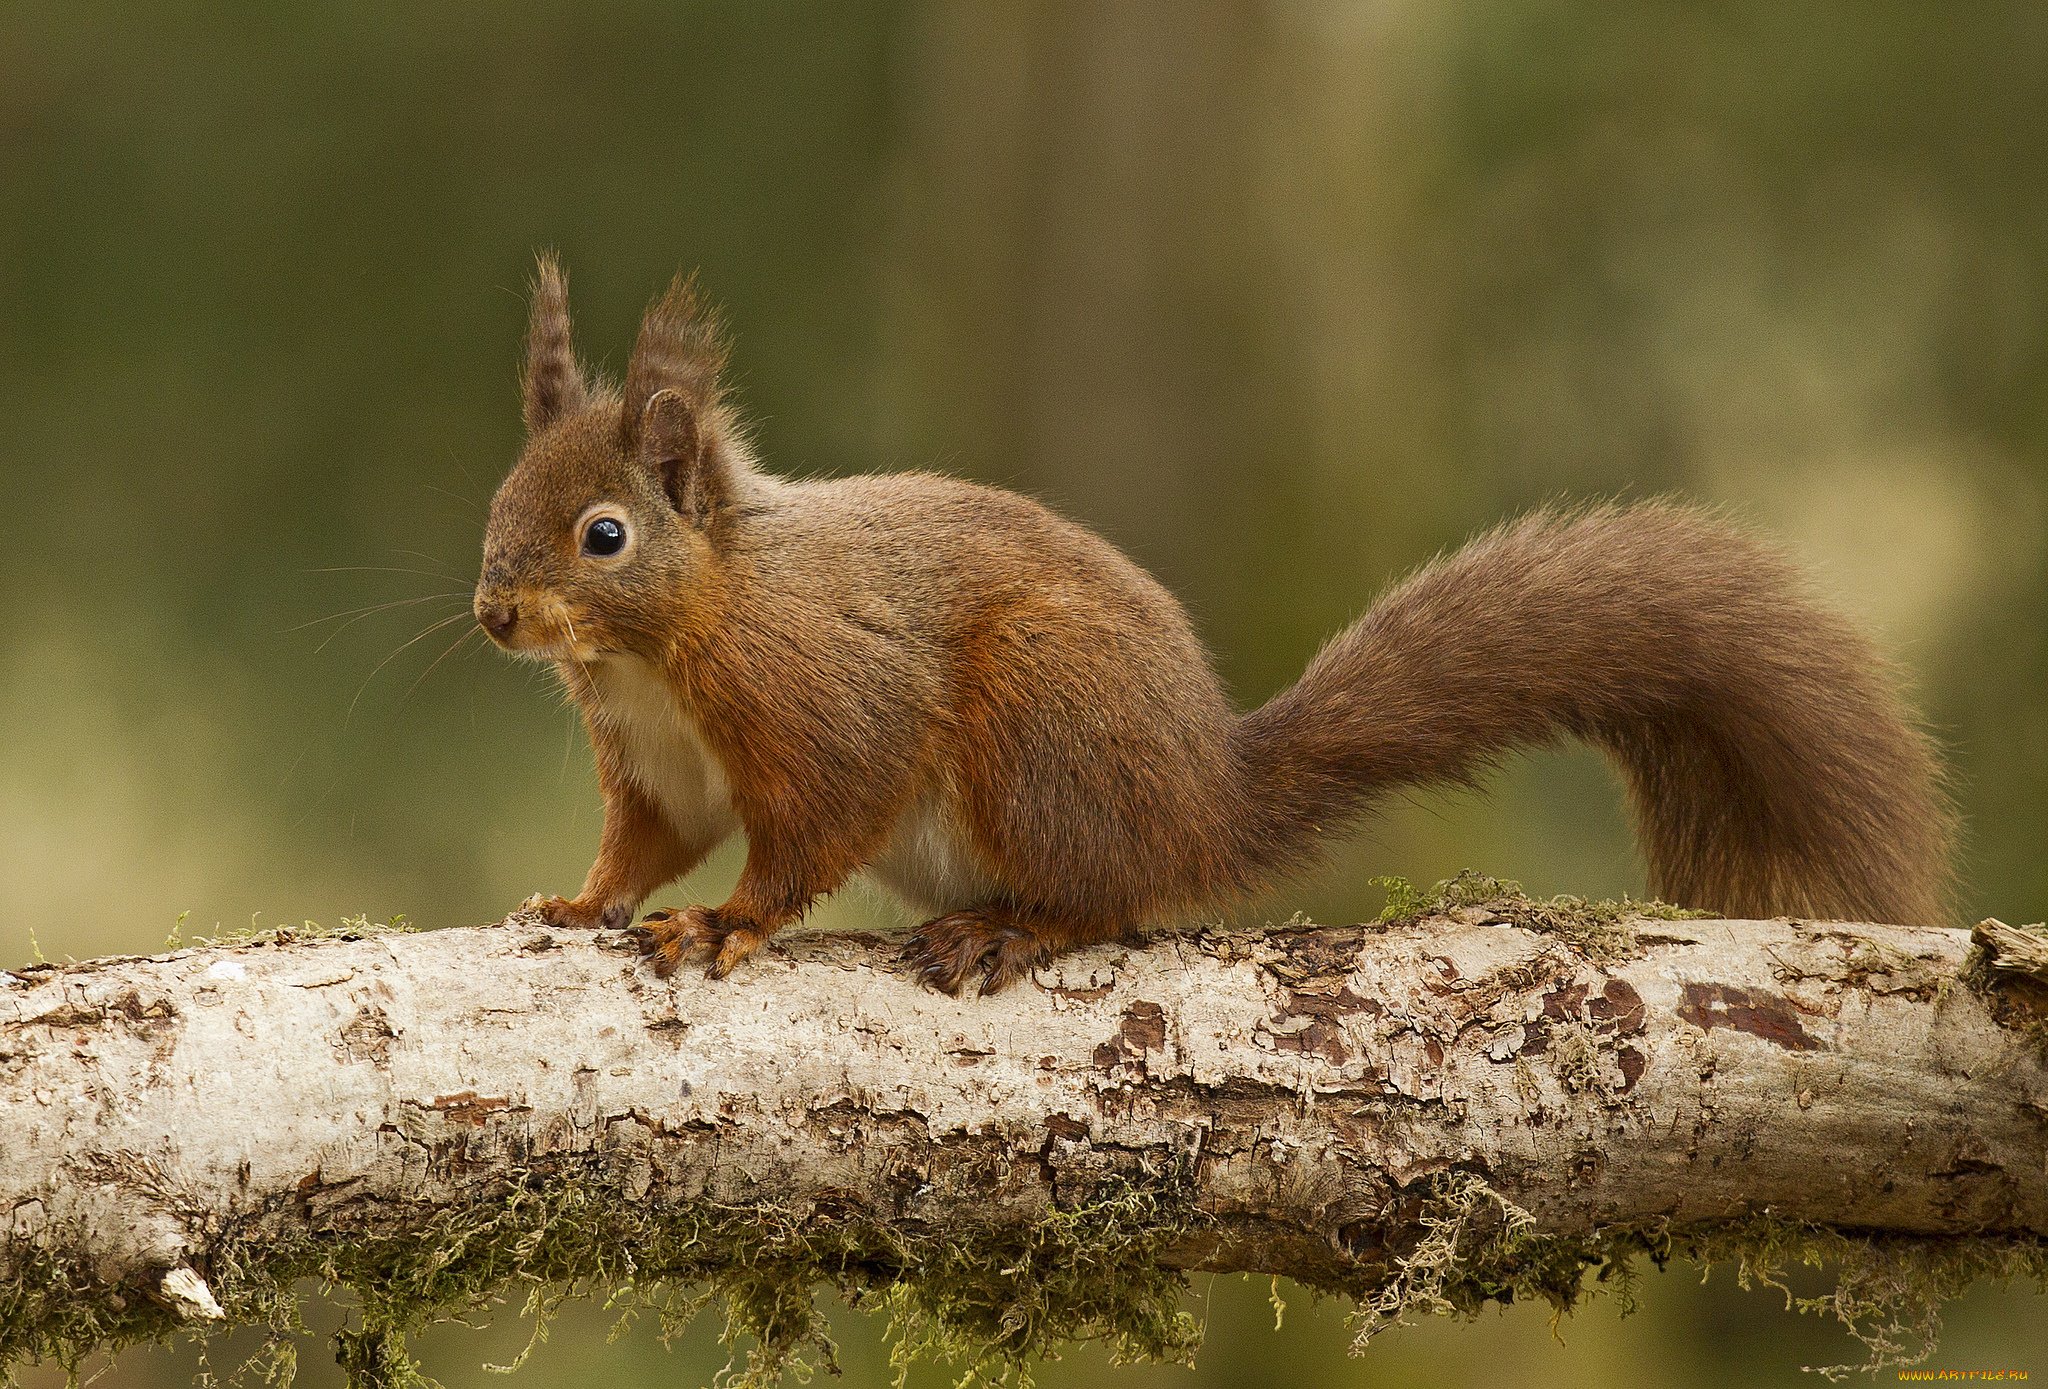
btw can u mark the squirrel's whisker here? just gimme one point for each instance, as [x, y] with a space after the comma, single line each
[433, 560]
[452, 617]
[391, 569]
[469, 502]
[472, 632]
[355, 615]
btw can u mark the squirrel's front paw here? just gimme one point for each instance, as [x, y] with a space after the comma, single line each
[673, 936]
[580, 915]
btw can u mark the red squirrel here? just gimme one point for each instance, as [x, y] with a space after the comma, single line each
[999, 716]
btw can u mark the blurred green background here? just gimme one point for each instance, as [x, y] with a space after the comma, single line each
[1282, 297]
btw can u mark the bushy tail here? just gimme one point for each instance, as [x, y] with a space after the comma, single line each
[1771, 768]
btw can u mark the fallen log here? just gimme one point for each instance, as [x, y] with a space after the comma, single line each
[1490, 1099]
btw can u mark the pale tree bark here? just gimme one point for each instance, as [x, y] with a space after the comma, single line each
[1325, 1103]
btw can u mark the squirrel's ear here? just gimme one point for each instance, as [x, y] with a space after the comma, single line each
[553, 382]
[678, 350]
[672, 448]
[672, 416]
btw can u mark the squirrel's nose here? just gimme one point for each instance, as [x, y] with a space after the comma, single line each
[498, 618]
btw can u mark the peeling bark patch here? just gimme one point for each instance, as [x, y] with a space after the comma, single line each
[1971, 1167]
[1315, 1002]
[1972, 1158]
[468, 1107]
[1324, 1001]
[130, 1007]
[1708, 1006]
[368, 1036]
[1144, 1026]
[1143, 1029]
[2016, 1001]
[1065, 1126]
[1299, 956]
[1632, 1067]
[1563, 1004]
[1587, 1165]
[1320, 1038]
[67, 1015]
[1619, 1007]
[670, 1030]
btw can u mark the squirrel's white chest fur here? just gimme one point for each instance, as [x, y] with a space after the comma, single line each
[928, 859]
[664, 753]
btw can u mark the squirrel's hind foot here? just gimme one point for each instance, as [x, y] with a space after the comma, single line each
[949, 950]
[670, 937]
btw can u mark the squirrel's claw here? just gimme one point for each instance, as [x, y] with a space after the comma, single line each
[670, 937]
[947, 951]
[740, 942]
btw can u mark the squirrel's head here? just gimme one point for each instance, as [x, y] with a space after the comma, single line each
[604, 537]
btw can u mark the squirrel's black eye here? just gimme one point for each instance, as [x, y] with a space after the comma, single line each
[604, 536]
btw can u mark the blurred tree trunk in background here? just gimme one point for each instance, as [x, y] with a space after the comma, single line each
[1288, 297]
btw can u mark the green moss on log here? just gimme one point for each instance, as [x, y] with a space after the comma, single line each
[996, 1295]
[1602, 931]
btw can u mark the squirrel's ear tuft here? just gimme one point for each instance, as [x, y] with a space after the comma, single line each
[679, 349]
[553, 382]
[672, 448]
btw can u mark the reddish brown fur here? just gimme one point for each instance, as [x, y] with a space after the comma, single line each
[995, 710]
[1770, 765]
